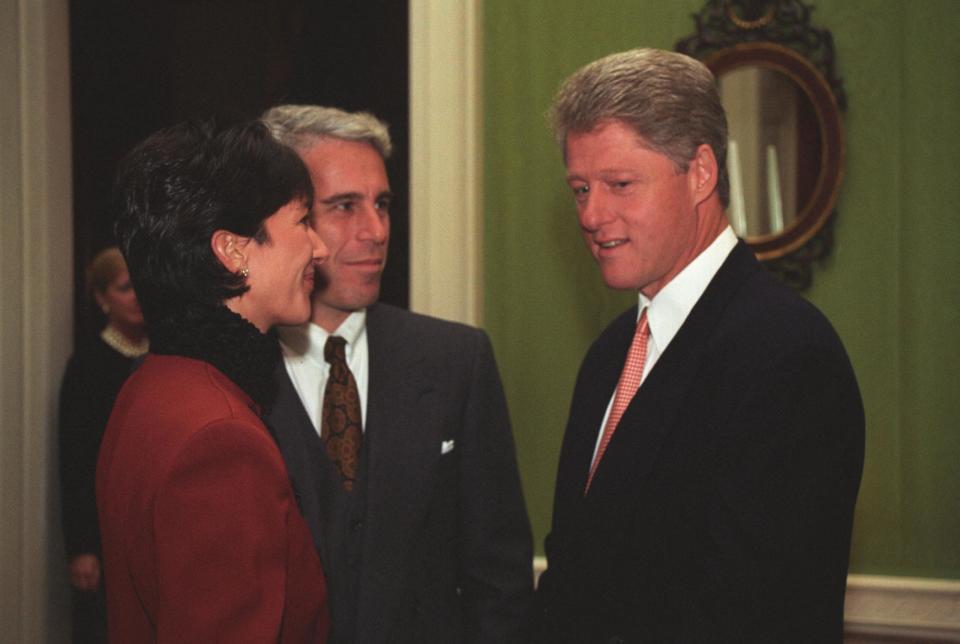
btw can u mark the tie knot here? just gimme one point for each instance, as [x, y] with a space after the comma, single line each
[334, 351]
[643, 324]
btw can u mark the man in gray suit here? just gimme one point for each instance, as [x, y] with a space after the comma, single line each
[422, 531]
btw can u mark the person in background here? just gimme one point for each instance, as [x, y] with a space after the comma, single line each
[93, 377]
[714, 447]
[202, 537]
[394, 425]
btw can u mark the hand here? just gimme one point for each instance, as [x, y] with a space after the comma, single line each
[85, 572]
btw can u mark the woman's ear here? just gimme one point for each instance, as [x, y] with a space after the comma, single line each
[101, 302]
[229, 248]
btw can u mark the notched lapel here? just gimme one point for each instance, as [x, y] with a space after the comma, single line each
[398, 410]
[651, 415]
[401, 452]
[299, 444]
[653, 412]
[596, 384]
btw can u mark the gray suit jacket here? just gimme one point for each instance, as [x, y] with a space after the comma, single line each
[444, 547]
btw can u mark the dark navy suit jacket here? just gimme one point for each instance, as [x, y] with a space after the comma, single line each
[722, 509]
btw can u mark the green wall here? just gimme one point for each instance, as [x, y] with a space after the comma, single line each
[891, 287]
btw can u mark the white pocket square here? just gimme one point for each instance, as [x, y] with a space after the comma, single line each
[446, 447]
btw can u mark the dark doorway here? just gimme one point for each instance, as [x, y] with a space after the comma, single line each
[139, 65]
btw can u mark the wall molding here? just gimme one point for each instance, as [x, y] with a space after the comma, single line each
[894, 608]
[36, 259]
[446, 158]
[918, 608]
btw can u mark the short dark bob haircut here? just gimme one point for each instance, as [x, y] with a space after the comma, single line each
[179, 186]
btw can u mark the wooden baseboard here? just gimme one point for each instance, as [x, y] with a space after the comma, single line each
[905, 609]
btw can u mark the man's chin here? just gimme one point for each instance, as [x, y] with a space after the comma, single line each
[619, 282]
[368, 300]
[346, 301]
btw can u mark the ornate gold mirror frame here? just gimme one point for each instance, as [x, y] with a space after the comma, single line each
[775, 37]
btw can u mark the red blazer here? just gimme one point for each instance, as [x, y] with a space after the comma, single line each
[202, 538]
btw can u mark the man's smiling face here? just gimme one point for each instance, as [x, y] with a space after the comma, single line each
[637, 211]
[351, 216]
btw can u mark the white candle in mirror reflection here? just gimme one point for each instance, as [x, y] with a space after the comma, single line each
[773, 190]
[738, 212]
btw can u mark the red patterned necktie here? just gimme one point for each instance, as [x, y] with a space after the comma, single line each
[340, 428]
[626, 388]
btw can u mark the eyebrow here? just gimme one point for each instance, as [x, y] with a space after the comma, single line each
[342, 196]
[352, 196]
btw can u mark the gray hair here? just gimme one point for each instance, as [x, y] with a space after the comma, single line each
[670, 100]
[300, 126]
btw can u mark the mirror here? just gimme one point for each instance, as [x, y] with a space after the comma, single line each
[773, 131]
[786, 148]
[786, 145]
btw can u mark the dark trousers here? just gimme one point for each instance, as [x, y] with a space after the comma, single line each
[89, 616]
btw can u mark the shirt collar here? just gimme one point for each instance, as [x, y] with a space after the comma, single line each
[308, 340]
[669, 308]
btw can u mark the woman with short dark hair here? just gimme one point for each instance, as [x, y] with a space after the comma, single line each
[202, 536]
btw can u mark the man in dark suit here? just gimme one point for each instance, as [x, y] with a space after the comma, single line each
[414, 496]
[714, 448]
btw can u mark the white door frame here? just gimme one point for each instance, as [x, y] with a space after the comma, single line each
[446, 158]
[36, 286]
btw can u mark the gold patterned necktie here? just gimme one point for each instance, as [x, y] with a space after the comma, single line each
[341, 428]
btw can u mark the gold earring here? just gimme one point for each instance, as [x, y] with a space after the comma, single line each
[106, 309]
[244, 272]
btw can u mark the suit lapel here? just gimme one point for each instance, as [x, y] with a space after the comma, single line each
[596, 384]
[652, 413]
[395, 441]
[401, 450]
[300, 446]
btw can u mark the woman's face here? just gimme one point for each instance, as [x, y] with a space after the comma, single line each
[119, 303]
[282, 269]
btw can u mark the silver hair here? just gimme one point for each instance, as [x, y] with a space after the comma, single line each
[670, 100]
[300, 126]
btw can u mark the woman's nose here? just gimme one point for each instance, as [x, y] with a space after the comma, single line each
[320, 250]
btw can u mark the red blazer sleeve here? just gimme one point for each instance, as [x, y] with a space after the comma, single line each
[220, 526]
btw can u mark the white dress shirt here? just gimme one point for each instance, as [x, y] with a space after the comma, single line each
[302, 348]
[669, 308]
